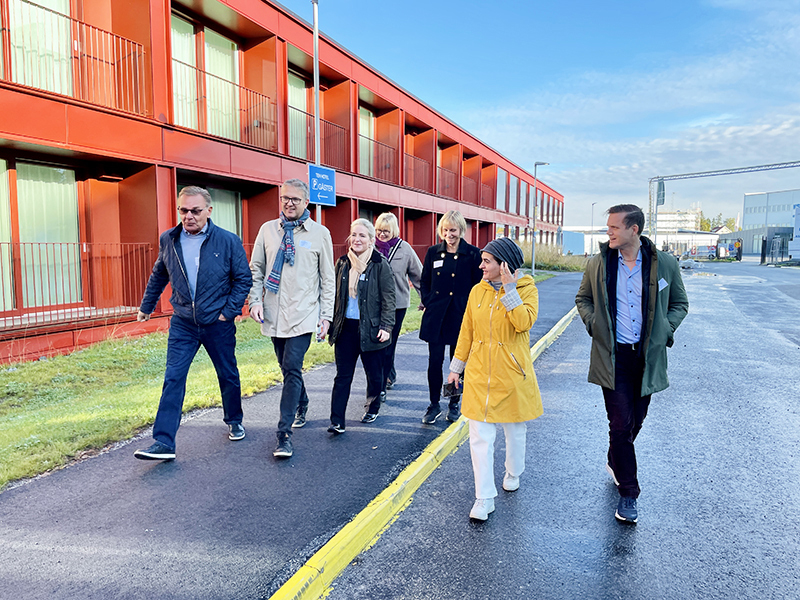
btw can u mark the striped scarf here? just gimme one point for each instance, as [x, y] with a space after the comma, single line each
[285, 251]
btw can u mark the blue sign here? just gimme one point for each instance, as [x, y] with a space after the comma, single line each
[322, 185]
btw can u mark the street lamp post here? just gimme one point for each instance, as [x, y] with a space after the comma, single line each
[591, 244]
[316, 97]
[535, 208]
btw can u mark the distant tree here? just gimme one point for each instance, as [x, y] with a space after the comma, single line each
[730, 223]
[717, 221]
[705, 224]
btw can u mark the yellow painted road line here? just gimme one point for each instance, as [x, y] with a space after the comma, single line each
[313, 579]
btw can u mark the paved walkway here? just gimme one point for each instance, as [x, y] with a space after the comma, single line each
[225, 520]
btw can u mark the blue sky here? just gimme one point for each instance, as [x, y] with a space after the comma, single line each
[610, 94]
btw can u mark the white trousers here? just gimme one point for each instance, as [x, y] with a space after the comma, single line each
[481, 446]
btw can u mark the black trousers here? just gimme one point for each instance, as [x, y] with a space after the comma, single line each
[388, 365]
[347, 349]
[435, 376]
[626, 410]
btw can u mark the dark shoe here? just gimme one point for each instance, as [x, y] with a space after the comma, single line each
[337, 429]
[235, 432]
[432, 414]
[157, 451]
[300, 417]
[284, 447]
[453, 413]
[626, 510]
[389, 384]
[369, 417]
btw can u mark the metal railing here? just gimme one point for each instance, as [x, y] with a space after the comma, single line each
[487, 195]
[54, 52]
[447, 183]
[51, 283]
[332, 137]
[214, 105]
[376, 159]
[417, 173]
[469, 190]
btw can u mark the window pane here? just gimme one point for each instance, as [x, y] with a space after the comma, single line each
[47, 203]
[501, 189]
[6, 274]
[227, 209]
[300, 130]
[40, 45]
[366, 152]
[184, 75]
[512, 195]
[222, 75]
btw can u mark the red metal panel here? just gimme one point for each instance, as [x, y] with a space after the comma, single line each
[186, 149]
[28, 117]
[251, 164]
[124, 137]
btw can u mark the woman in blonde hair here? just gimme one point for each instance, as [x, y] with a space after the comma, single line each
[449, 272]
[406, 267]
[363, 317]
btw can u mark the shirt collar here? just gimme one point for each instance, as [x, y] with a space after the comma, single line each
[200, 233]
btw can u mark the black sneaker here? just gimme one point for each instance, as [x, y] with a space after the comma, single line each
[626, 510]
[369, 417]
[335, 428]
[235, 432]
[432, 414]
[157, 451]
[284, 447]
[453, 413]
[389, 384]
[300, 417]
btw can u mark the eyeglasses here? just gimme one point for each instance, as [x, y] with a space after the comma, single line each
[195, 211]
[290, 200]
[383, 231]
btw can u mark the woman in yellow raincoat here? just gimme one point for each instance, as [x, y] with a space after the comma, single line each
[493, 353]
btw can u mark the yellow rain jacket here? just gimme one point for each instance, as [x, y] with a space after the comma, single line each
[499, 383]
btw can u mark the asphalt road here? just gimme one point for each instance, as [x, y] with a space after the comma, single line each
[226, 519]
[719, 459]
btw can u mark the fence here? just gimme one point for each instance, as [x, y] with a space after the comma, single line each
[447, 185]
[214, 105]
[417, 173]
[49, 283]
[332, 137]
[376, 159]
[54, 52]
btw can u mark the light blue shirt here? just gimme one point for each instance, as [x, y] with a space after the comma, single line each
[629, 301]
[352, 308]
[190, 247]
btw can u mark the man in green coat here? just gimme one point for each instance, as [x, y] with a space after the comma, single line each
[631, 300]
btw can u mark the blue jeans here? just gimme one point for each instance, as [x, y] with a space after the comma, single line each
[185, 339]
[626, 410]
[291, 352]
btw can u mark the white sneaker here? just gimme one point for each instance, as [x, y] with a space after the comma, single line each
[510, 483]
[611, 472]
[481, 509]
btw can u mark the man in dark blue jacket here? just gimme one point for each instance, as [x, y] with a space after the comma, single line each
[210, 278]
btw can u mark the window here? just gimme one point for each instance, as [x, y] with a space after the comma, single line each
[227, 211]
[501, 189]
[366, 147]
[513, 195]
[300, 123]
[214, 109]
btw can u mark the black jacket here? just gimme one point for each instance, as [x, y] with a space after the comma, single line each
[376, 301]
[447, 280]
[223, 277]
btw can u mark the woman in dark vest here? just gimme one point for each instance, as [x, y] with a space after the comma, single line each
[449, 272]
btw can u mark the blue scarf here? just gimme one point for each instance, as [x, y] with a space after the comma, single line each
[285, 251]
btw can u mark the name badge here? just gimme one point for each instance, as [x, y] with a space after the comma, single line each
[304, 243]
[438, 263]
[662, 283]
[362, 277]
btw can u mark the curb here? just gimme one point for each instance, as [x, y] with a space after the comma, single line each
[313, 580]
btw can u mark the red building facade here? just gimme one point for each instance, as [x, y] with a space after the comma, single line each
[111, 106]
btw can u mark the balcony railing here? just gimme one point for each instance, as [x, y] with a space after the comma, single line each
[417, 173]
[469, 190]
[54, 52]
[376, 159]
[487, 195]
[332, 137]
[56, 283]
[216, 106]
[447, 183]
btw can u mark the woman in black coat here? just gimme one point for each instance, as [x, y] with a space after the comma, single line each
[363, 317]
[449, 272]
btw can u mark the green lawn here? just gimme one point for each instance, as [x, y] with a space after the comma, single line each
[53, 411]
